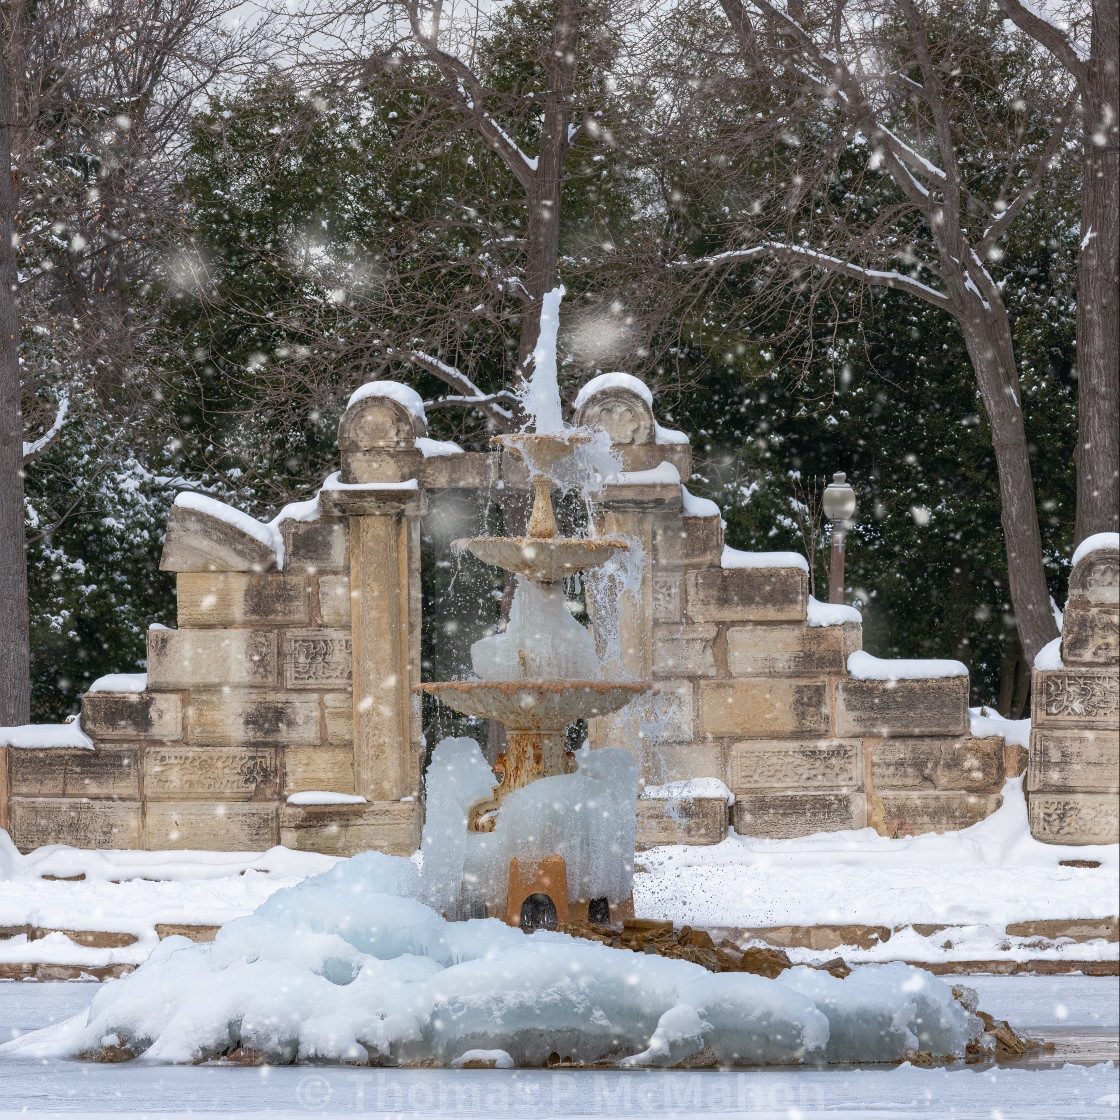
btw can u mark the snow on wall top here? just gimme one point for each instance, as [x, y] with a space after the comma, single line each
[120, 682]
[1050, 656]
[617, 381]
[1094, 543]
[46, 736]
[662, 473]
[698, 507]
[325, 797]
[831, 614]
[404, 395]
[437, 448]
[734, 558]
[985, 721]
[687, 789]
[334, 482]
[665, 436]
[864, 667]
[268, 535]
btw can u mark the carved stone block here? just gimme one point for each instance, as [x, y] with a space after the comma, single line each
[790, 648]
[1074, 761]
[666, 598]
[37, 821]
[132, 715]
[236, 599]
[746, 595]
[211, 774]
[199, 542]
[1075, 698]
[211, 658]
[702, 820]
[624, 415]
[1091, 636]
[684, 651]
[675, 762]
[1095, 581]
[338, 707]
[318, 768]
[322, 545]
[930, 706]
[976, 765]
[111, 772]
[334, 600]
[317, 658]
[1074, 818]
[798, 764]
[234, 719]
[763, 708]
[783, 815]
[911, 814]
[384, 826]
[687, 542]
[211, 825]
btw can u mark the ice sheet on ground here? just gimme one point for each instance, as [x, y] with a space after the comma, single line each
[735, 558]
[864, 666]
[404, 395]
[984, 876]
[687, 789]
[985, 721]
[1050, 656]
[831, 614]
[612, 381]
[45, 736]
[349, 966]
[268, 535]
[120, 682]
[1093, 544]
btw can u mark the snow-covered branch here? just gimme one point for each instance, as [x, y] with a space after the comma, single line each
[468, 393]
[33, 451]
[1044, 31]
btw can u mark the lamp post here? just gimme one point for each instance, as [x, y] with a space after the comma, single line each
[839, 502]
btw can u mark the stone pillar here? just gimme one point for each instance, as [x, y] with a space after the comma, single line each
[1073, 772]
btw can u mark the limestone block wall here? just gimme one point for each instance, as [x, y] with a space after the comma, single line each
[755, 689]
[1073, 774]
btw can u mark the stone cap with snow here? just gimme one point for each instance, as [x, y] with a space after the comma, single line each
[1095, 578]
[206, 535]
[378, 432]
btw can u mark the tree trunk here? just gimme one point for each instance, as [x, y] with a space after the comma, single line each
[542, 235]
[15, 665]
[987, 336]
[1098, 288]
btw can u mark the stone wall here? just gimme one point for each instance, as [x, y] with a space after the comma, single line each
[297, 648]
[1073, 776]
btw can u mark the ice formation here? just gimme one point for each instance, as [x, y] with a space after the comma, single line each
[542, 641]
[351, 966]
[541, 394]
[587, 818]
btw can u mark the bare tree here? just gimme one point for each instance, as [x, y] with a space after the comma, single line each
[1097, 74]
[93, 100]
[890, 88]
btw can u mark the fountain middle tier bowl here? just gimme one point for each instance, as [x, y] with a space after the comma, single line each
[536, 705]
[545, 560]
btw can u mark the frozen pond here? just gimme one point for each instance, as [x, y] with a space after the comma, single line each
[1066, 1007]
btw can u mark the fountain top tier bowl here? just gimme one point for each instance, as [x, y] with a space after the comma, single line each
[541, 451]
[543, 559]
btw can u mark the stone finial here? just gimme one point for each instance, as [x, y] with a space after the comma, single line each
[379, 428]
[619, 404]
[1095, 579]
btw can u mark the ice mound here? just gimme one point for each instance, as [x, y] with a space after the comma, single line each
[349, 966]
[542, 642]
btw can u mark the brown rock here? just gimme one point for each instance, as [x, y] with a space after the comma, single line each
[208, 658]
[1091, 636]
[911, 814]
[790, 649]
[108, 771]
[687, 542]
[236, 599]
[932, 706]
[217, 826]
[316, 546]
[1069, 761]
[795, 764]
[38, 821]
[700, 820]
[764, 708]
[182, 773]
[783, 815]
[345, 830]
[132, 715]
[976, 765]
[1076, 698]
[746, 595]
[1074, 818]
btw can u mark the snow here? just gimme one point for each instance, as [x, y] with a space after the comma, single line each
[307, 510]
[120, 682]
[541, 394]
[407, 397]
[979, 878]
[268, 535]
[687, 789]
[664, 474]
[334, 482]
[494, 1059]
[325, 797]
[616, 381]
[437, 448]
[349, 966]
[863, 666]
[734, 558]
[46, 736]
[668, 435]
[831, 614]
[1050, 656]
[987, 721]
[1093, 544]
[698, 507]
[30, 450]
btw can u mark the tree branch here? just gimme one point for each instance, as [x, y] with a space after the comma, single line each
[36, 450]
[1054, 39]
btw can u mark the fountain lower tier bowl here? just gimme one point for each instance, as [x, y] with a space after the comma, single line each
[545, 560]
[536, 705]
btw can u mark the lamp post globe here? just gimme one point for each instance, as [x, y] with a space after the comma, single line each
[839, 504]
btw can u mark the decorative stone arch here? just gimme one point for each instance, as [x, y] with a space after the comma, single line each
[622, 413]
